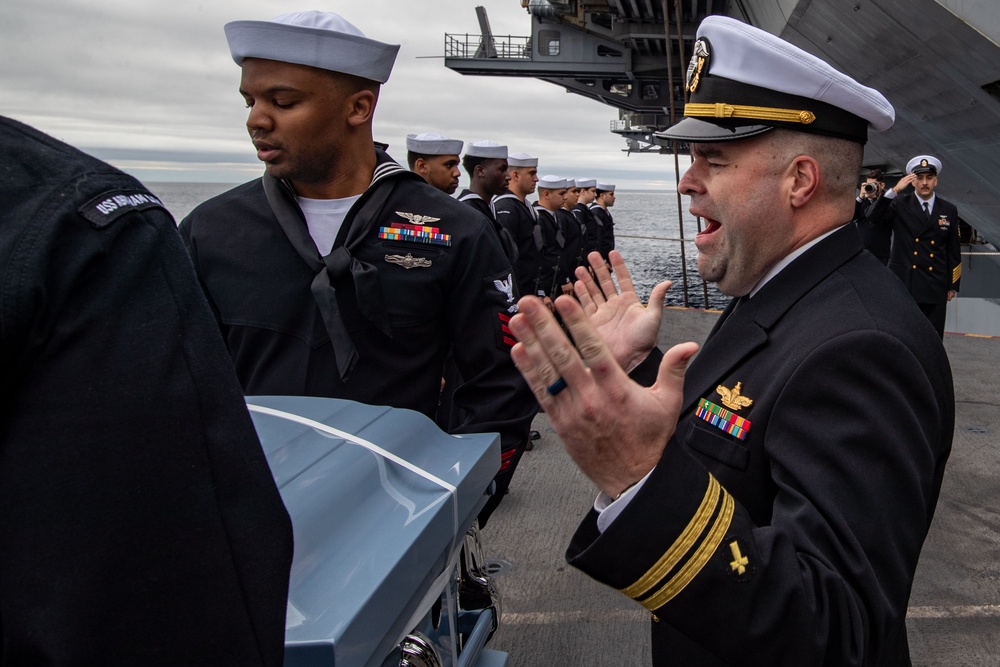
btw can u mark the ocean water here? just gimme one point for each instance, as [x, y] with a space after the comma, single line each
[647, 233]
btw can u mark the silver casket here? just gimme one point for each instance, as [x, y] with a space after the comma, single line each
[383, 506]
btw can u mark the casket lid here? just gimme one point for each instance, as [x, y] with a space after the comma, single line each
[373, 531]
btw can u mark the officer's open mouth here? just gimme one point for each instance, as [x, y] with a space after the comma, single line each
[713, 226]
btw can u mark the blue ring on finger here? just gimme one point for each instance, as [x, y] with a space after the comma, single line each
[556, 387]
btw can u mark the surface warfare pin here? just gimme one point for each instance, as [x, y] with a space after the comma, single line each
[408, 261]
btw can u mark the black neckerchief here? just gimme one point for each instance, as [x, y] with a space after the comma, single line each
[334, 267]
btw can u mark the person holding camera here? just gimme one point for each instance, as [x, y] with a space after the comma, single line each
[877, 239]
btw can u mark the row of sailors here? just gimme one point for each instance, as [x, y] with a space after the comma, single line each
[545, 240]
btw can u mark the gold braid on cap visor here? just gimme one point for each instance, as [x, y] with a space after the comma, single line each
[722, 110]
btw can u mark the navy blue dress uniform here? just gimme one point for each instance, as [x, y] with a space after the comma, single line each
[413, 272]
[589, 226]
[606, 222]
[877, 239]
[507, 242]
[139, 521]
[572, 252]
[784, 520]
[520, 220]
[926, 250]
[411, 276]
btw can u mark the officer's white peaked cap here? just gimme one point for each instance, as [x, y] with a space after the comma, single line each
[432, 143]
[488, 149]
[521, 160]
[318, 39]
[743, 81]
[922, 164]
[553, 183]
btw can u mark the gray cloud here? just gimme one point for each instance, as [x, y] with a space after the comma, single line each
[149, 86]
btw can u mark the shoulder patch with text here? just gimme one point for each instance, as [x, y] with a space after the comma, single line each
[107, 207]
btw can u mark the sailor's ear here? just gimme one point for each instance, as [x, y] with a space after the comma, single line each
[361, 107]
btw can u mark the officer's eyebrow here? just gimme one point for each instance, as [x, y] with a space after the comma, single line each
[706, 150]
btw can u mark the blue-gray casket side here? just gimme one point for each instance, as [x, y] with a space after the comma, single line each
[380, 500]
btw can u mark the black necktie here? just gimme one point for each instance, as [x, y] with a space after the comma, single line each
[927, 210]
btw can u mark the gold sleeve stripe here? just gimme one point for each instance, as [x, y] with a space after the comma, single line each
[722, 110]
[956, 273]
[695, 564]
[673, 555]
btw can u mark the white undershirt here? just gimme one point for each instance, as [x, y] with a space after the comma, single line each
[609, 508]
[324, 218]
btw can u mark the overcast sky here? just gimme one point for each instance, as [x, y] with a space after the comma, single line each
[149, 86]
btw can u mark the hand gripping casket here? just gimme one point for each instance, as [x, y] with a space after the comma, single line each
[381, 503]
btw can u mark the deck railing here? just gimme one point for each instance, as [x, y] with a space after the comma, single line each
[501, 47]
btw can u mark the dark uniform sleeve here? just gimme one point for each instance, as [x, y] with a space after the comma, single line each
[826, 579]
[138, 517]
[954, 252]
[493, 395]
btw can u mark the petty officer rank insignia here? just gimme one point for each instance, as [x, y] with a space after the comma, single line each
[499, 290]
[415, 232]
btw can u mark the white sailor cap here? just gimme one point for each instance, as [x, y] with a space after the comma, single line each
[553, 183]
[922, 164]
[606, 187]
[432, 143]
[521, 160]
[586, 182]
[318, 39]
[744, 81]
[488, 149]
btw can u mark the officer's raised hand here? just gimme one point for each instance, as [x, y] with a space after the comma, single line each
[613, 428]
[627, 326]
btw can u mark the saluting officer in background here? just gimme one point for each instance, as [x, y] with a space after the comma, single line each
[926, 251]
[339, 273]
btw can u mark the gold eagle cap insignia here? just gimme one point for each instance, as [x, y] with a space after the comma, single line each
[416, 218]
[732, 399]
[409, 261]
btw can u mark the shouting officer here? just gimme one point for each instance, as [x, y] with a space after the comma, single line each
[768, 502]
